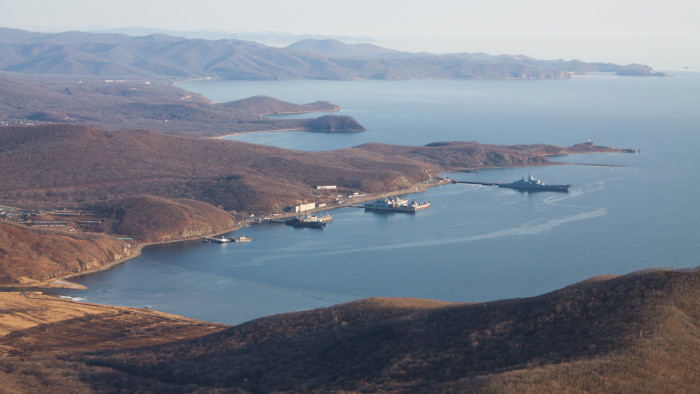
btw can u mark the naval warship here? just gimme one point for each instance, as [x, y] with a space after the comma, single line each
[532, 184]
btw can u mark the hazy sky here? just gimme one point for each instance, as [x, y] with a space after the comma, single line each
[662, 34]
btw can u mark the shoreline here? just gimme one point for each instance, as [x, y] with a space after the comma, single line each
[63, 282]
[138, 251]
[220, 137]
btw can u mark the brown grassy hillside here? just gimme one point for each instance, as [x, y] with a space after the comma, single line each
[459, 154]
[155, 187]
[28, 256]
[35, 328]
[156, 106]
[635, 333]
[77, 165]
[72, 165]
[151, 218]
[629, 333]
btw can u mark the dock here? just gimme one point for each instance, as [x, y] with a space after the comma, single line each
[479, 183]
[216, 240]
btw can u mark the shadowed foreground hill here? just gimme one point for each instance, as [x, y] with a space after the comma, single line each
[635, 333]
[32, 323]
[625, 334]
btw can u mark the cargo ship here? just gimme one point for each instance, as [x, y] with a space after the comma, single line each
[241, 239]
[534, 185]
[396, 204]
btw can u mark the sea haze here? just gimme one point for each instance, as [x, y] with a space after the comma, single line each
[475, 243]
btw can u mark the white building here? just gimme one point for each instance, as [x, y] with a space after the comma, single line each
[304, 207]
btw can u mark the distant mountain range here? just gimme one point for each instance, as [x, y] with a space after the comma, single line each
[159, 55]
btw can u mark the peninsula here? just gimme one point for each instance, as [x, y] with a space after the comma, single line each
[152, 187]
[157, 106]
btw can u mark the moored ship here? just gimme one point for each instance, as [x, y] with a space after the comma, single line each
[532, 184]
[241, 239]
[396, 204]
[325, 218]
[310, 221]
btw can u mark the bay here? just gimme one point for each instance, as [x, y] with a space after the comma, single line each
[475, 243]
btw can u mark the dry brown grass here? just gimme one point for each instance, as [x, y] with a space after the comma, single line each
[148, 218]
[636, 333]
[28, 257]
[35, 330]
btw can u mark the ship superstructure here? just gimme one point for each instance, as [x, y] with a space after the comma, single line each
[396, 204]
[532, 184]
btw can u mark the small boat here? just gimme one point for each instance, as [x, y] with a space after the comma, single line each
[241, 239]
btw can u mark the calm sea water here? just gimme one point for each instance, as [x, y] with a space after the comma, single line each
[475, 243]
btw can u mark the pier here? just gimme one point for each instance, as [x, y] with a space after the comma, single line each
[478, 183]
[216, 240]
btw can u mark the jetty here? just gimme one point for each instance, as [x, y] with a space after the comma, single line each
[221, 240]
[479, 183]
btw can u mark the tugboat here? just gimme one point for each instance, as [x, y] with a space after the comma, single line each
[395, 204]
[535, 185]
